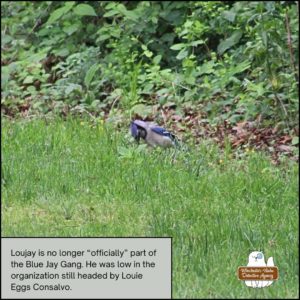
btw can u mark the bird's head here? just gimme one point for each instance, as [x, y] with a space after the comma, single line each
[137, 131]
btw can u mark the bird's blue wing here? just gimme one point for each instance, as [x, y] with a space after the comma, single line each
[161, 131]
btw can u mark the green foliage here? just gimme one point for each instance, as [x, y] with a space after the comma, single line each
[239, 60]
[59, 12]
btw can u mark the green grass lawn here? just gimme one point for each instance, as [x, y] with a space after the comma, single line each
[65, 178]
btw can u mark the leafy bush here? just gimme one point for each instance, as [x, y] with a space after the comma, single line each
[239, 60]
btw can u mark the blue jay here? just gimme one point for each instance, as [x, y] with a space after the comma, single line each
[152, 134]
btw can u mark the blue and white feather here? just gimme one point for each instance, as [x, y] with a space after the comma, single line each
[152, 134]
